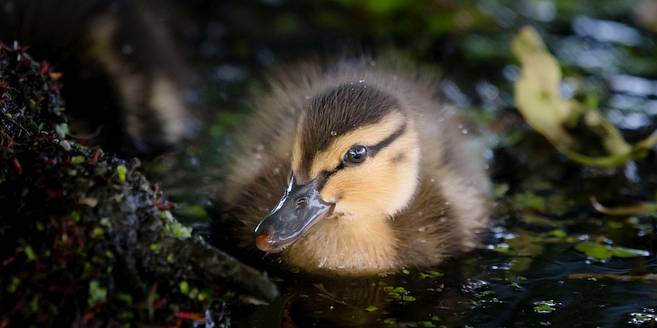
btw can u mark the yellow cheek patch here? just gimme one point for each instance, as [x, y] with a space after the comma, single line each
[381, 184]
[360, 184]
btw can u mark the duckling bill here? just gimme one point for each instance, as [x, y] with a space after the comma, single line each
[373, 170]
[300, 207]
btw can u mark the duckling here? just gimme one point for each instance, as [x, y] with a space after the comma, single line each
[375, 173]
[123, 70]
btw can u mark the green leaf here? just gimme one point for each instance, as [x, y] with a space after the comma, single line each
[559, 233]
[628, 252]
[124, 297]
[97, 294]
[75, 215]
[371, 308]
[636, 209]
[184, 287]
[594, 250]
[545, 307]
[431, 274]
[603, 252]
[121, 172]
[192, 211]
[399, 290]
[105, 222]
[29, 252]
[408, 298]
[62, 130]
[97, 232]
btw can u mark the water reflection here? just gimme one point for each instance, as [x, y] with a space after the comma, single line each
[633, 85]
[606, 31]
[589, 55]
[413, 298]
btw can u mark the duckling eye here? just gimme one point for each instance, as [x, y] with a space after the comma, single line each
[356, 155]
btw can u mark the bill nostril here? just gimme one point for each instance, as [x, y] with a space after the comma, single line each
[301, 202]
[262, 242]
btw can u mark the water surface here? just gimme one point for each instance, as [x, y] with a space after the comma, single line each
[529, 271]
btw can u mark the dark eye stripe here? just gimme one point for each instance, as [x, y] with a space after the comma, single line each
[323, 176]
[373, 150]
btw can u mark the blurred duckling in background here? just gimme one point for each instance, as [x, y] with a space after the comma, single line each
[124, 75]
[375, 173]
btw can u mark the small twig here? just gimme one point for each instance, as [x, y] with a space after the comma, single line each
[329, 296]
[616, 277]
[641, 208]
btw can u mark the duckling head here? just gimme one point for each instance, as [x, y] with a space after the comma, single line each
[354, 163]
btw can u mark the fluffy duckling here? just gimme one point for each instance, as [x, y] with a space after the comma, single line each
[375, 174]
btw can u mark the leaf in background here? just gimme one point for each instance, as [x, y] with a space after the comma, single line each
[603, 252]
[539, 101]
[612, 139]
[594, 250]
[636, 209]
[628, 252]
[537, 90]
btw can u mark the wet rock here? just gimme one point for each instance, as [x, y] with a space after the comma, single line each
[84, 237]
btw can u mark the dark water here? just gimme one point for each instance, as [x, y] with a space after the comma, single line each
[523, 275]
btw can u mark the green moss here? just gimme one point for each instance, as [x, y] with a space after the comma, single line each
[75, 215]
[121, 172]
[98, 232]
[13, 286]
[97, 293]
[29, 252]
[34, 304]
[77, 159]
[178, 230]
